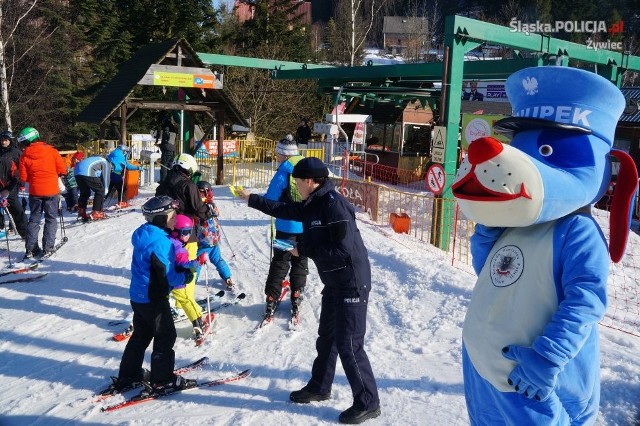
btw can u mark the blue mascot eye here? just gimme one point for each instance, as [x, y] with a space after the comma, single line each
[545, 150]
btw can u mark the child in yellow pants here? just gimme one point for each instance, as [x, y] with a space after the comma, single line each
[186, 260]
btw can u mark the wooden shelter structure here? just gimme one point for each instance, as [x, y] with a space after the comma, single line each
[167, 63]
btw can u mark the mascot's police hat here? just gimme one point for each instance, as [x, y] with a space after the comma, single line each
[573, 99]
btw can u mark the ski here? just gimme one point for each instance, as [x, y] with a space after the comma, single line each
[268, 319]
[139, 399]
[42, 258]
[25, 279]
[110, 391]
[121, 337]
[294, 322]
[31, 267]
[208, 327]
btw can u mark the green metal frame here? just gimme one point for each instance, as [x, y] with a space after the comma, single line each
[415, 80]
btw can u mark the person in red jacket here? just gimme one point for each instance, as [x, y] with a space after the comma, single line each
[40, 167]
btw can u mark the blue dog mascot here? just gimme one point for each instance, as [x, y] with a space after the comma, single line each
[530, 337]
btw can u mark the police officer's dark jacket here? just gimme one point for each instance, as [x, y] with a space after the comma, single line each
[331, 238]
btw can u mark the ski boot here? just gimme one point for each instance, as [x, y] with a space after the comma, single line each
[97, 215]
[176, 384]
[82, 214]
[230, 286]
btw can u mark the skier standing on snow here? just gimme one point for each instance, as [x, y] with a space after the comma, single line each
[208, 235]
[70, 183]
[9, 164]
[332, 240]
[40, 167]
[92, 174]
[179, 186]
[185, 295]
[282, 188]
[119, 162]
[153, 275]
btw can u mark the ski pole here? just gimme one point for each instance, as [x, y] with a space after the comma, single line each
[6, 234]
[206, 284]
[63, 231]
[271, 239]
[124, 177]
[233, 255]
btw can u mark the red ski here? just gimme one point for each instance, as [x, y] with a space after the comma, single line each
[268, 319]
[140, 399]
[208, 324]
[110, 391]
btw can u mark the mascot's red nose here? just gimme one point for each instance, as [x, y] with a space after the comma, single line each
[483, 149]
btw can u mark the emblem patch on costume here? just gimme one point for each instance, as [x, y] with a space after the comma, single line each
[507, 266]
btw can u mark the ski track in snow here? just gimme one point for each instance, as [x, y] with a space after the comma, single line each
[56, 349]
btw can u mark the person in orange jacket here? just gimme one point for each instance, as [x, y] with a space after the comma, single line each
[40, 167]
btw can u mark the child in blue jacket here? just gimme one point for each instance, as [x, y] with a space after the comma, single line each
[119, 162]
[153, 275]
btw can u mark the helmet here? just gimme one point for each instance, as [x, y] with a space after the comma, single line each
[6, 135]
[187, 163]
[203, 185]
[28, 135]
[205, 191]
[183, 222]
[158, 206]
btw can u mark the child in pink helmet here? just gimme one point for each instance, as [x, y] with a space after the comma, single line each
[185, 295]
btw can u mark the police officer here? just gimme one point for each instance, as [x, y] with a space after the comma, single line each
[332, 240]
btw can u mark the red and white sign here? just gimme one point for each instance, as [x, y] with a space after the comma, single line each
[228, 147]
[435, 179]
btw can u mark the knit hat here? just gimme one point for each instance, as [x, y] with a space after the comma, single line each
[310, 167]
[287, 146]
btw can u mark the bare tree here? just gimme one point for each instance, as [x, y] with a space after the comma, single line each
[357, 18]
[4, 40]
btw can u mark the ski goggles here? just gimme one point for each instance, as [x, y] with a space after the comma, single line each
[184, 232]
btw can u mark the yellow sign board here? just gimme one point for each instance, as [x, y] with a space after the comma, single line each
[174, 79]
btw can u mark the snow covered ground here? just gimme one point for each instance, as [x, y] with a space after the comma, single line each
[56, 348]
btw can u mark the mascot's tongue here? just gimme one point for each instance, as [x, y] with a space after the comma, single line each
[472, 188]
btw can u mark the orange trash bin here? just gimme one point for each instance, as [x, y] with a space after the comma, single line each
[400, 222]
[131, 180]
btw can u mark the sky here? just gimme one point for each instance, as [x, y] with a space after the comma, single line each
[56, 349]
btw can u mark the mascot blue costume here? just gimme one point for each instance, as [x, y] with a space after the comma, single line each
[530, 337]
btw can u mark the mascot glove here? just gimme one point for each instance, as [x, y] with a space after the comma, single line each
[188, 276]
[4, 202]
[203, 258]
[534, 376]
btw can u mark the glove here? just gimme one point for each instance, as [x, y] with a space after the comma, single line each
[203, 258]
[4, 202]
[188, 276]
[534, 376]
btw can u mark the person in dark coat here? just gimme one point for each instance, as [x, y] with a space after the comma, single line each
[9, 183]
[332, 240]
[303, 133]
[179, 186]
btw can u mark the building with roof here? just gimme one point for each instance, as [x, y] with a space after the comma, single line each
[401, 34]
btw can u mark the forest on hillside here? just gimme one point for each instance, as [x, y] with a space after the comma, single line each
[56, 55]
